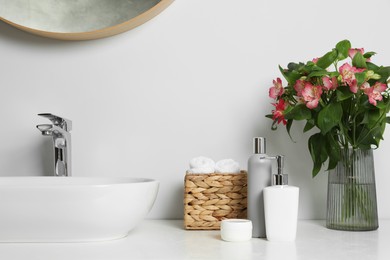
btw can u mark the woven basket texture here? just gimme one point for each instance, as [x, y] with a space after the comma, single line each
[210, 198]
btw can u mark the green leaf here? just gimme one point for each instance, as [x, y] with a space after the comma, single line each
[362, 120]
[377, 134]
[333, 74]
[299, 112]
[364, 104]
[381, 105]
[384, 72]
[388, 120]
[328, 59]
[360, 77]
[329, 117]
[318, 152]
[364, 146]
[370, 137]
[383, 128]
[318, 73]
[295, 66]
[309, 125]
[372, 66]
[342, 49]
[382, 131]
[371, 117]
[274, 125]
[290, 76]
[359, 61]
[343, 93]
[333, 149]
[288, 128]
[369, 54]
[385, 69]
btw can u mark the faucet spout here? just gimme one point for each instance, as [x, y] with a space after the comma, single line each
[61, 143]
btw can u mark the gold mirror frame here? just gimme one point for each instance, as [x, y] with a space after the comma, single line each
[101, 33]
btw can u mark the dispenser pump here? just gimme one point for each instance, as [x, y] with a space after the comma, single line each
[280, 178]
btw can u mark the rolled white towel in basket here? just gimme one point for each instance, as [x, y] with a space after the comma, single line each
[201, 170]
[227, 166]
[202, 162]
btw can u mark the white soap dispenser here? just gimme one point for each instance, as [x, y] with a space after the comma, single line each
[281, 206]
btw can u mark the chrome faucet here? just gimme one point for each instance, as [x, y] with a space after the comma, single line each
[59, 130]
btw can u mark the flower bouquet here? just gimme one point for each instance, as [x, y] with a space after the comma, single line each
[348, 104]
[345, 96]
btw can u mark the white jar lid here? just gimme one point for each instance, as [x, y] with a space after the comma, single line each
[235, 230]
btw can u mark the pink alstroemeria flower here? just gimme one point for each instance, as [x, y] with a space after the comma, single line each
[311, 94]
[278, 113]
[353, 51]
[299, 86]
[375, 93]
[330, 84]
[365, 87]
[347, 73]
[314, 60]
[277, 90]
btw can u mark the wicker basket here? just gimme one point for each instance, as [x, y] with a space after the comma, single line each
[210, 198]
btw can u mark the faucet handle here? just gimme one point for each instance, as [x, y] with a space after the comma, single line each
[65, 124]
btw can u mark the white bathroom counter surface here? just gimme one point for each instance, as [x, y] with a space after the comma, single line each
[166, 239]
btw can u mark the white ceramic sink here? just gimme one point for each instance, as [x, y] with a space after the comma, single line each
[72, 209]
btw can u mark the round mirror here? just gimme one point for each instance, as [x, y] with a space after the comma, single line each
[79, 19]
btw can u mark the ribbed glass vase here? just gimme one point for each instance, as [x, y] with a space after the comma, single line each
[352, 201]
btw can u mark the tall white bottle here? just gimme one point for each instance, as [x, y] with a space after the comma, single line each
[281, 207]
[259, 177]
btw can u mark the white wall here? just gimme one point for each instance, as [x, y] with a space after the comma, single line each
[193, 81]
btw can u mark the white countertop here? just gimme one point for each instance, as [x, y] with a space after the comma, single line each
[166, 239]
